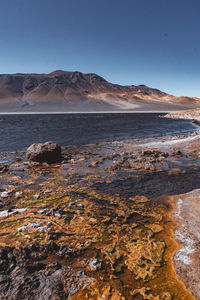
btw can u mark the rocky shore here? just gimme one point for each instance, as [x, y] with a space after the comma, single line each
[98, 223]
[191, 114]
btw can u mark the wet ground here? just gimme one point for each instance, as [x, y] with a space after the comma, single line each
[97, 226]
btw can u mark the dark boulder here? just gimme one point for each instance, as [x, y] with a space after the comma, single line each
[48, 152]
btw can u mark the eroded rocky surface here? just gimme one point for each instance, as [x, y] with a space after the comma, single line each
[28, 272]
[96, 226]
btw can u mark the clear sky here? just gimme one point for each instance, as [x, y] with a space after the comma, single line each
[152, 42]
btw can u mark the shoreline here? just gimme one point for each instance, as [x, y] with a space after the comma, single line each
[186, 259]
[170, 141]
[91, 112]
[187, 209]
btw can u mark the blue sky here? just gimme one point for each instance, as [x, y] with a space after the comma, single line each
[152, 42]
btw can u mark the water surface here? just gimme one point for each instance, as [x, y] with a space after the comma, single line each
[19, 131]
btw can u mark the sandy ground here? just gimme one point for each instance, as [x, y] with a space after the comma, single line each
[91, 105]
[187, 258]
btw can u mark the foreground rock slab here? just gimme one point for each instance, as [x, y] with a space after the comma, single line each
[26, 273]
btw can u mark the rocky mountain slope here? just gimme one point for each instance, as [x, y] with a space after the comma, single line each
[76, 88]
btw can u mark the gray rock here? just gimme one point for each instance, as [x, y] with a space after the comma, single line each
[47, 191]
[42, 228]
[22, 229]
[35, 224]
[7, 213]
[43, 211]
[18, 194]
[4, 195]
[58, 215]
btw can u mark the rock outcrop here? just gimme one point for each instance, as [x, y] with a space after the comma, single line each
[191, 114]
[27, 273]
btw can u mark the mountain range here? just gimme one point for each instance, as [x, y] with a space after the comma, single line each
[79, 91]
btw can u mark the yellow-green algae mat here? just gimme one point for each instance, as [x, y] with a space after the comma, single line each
[131, 237]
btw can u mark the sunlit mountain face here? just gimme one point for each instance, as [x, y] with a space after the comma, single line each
[78, 90]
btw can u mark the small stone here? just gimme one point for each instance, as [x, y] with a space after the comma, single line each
[4, 213]
[58, 215]
[156, 228]
[36, 196]
[52, 211]
[4, 194]
[94, 164]
[10, 209]
[42, 211]
[35, 224]
[3, 169]
[78, 200]
[43, 228]
[18, 194]
[22, 229]
[47, 192]
[71, 204]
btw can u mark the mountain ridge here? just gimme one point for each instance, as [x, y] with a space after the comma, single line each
[77, 88]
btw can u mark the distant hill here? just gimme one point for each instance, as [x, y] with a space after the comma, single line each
[76, 89]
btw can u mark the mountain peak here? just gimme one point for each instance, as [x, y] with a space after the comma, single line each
[57, 72]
